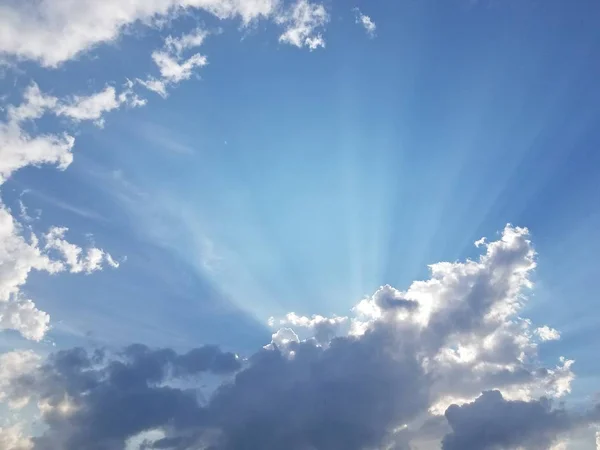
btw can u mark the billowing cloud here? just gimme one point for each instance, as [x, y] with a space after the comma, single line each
[407, 369]
[365, 21]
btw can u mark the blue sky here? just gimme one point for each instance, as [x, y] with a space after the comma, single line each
[281, 178]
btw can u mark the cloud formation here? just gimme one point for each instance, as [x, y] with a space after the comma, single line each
[53, 32]
[491, 422]
[302, 23]
[407, 368]
[366, 22]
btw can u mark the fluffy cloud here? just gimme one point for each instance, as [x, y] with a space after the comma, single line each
[73, 256]
[20, 249]
[407, 369]
[366, 22]
[19, 149]
[20, 255]
[52, 32]
[547, 334]
[302, 23]
[12, 366]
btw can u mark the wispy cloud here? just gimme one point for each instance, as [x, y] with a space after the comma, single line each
[366, 22]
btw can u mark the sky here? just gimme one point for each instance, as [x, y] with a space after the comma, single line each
[299, 224]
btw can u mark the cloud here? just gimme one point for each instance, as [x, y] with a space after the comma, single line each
[13, 365]
[53, 32]
[172, 65]
[491, 422]
[19, 149]
[12, 438]
[90, 107]
[174, 71]
[547, 334]
[19, 256]
[73, 256]
[100, 400]
[19, 253]
[322, 328]
[178, 45]
[302, 22]
[383, 378]
[366, 22]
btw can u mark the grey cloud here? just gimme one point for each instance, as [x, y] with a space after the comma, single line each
[348, 395]
[113, 397]
[493, 423]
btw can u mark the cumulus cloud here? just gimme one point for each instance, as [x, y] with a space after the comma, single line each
[303, 22]
[547, 334]
[366, 22]
[408, 368]
[53, 32]
[20, 255]
[323, 329]
[20, 149]
[20, 249]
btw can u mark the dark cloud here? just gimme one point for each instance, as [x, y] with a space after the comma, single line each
[112, 397]
[348, 395]
[494, 423]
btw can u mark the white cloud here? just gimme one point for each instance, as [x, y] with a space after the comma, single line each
[173, 70]
[19, 256]
[12, 365]
[178, 45]
[155, 85]
[547, 334]
[90, 107]
[466, 317]
[12, 438]
[75, 260]
[19, 149]
[366, 22]
[302, 23]
[173, 67]
[34, 106]
[52, 32]
[321, 328]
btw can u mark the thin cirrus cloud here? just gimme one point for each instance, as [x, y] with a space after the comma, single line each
[366, 22]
